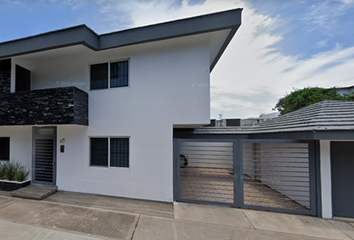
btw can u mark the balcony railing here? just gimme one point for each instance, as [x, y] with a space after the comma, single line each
[68, 105]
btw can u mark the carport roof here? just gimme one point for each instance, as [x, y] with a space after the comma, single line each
[325, 115]
[82, 35]
[328, 119]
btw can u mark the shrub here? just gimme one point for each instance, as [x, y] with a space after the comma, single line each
[22, 174]
[10, 171]
[13, 171]
[2, 170]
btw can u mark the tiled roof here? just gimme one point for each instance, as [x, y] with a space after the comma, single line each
[325, 115]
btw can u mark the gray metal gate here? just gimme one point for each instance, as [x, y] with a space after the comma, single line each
[44, 155]
[205, 171]
[256, 174]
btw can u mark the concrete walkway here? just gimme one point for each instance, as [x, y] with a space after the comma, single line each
[22, 219]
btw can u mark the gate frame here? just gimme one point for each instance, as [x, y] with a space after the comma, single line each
[238, 171]
[176, 178]
[312, 177]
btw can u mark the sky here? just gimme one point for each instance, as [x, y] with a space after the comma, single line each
[281, 45]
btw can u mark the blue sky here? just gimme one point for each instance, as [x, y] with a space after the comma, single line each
[280, 46]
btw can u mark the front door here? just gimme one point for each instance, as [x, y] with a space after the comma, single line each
[342, 161]
[44, 155]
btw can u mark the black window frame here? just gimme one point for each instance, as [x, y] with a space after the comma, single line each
[5, 153]
[109, 79]
[121, 152]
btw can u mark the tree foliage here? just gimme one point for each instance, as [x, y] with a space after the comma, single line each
[300, 98]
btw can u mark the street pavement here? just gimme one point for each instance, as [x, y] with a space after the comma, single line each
[22, 219]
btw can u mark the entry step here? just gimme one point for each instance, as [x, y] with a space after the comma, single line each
[34, 191]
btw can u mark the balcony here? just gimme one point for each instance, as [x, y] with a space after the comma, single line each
[55, 106]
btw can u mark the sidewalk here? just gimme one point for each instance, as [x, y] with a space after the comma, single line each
[44, 220]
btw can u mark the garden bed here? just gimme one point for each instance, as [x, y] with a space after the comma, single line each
[6, 185]
[13, 176]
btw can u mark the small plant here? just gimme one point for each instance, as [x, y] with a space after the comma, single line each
[10, 170]
[13, 171]
[2, 171]
[22, 173]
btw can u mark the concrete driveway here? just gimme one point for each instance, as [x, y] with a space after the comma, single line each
[22, 219]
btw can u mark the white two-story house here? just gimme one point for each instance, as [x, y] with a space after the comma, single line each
[96, 113]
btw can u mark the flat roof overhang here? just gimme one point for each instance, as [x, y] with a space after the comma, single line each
[334, 135]
[82, 35]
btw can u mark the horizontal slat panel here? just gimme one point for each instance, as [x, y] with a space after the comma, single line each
[44, 151]
[276, 175]
[205, 171]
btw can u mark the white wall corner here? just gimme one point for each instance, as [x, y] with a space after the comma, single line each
[326, 179]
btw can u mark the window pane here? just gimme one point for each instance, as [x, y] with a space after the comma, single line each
[99, 152]
[99, 76]
[119, 74]
[119, 152]
[5, 148]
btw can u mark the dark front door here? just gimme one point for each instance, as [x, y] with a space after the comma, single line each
[342, 160]
[23, 79]
[44, 155]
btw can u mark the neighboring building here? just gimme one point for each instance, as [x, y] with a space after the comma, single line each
[266, 116]
[256, 121]
[300, 162]
[344, 90]
[238, 122]
[230, 122]
[247, 122]
[95, 113]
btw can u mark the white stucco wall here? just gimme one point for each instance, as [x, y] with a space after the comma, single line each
[168, 85]
[20, 144]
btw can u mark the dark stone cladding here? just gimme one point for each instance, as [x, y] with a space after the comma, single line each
[5, 76]
[67, 105]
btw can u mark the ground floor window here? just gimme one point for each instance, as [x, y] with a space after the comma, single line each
[109, 152]
[4, 148]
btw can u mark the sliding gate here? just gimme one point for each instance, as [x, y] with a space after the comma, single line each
[256, 174]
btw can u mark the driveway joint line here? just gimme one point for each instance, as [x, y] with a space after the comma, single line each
[35, 234]
[339, 229]
[244, 214]
[10, 203]
[136, 226]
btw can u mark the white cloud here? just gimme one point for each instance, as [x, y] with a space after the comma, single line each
[323, 15]
[251, 75]
[346, 1]
[10, 2]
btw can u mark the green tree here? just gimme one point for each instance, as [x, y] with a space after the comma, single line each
[300, 98]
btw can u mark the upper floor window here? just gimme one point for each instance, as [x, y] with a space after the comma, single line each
[109, 75]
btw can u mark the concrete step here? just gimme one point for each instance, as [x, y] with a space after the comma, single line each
[35, 191]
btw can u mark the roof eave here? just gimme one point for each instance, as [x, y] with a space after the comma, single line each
[85, 36]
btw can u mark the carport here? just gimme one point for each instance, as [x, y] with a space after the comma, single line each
[284, 164]
[257, 174]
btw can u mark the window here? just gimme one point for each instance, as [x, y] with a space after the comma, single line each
[119, 152]
[5, 148]
[114, 151]
[99, 76]
[109, 75]
[23, 79]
